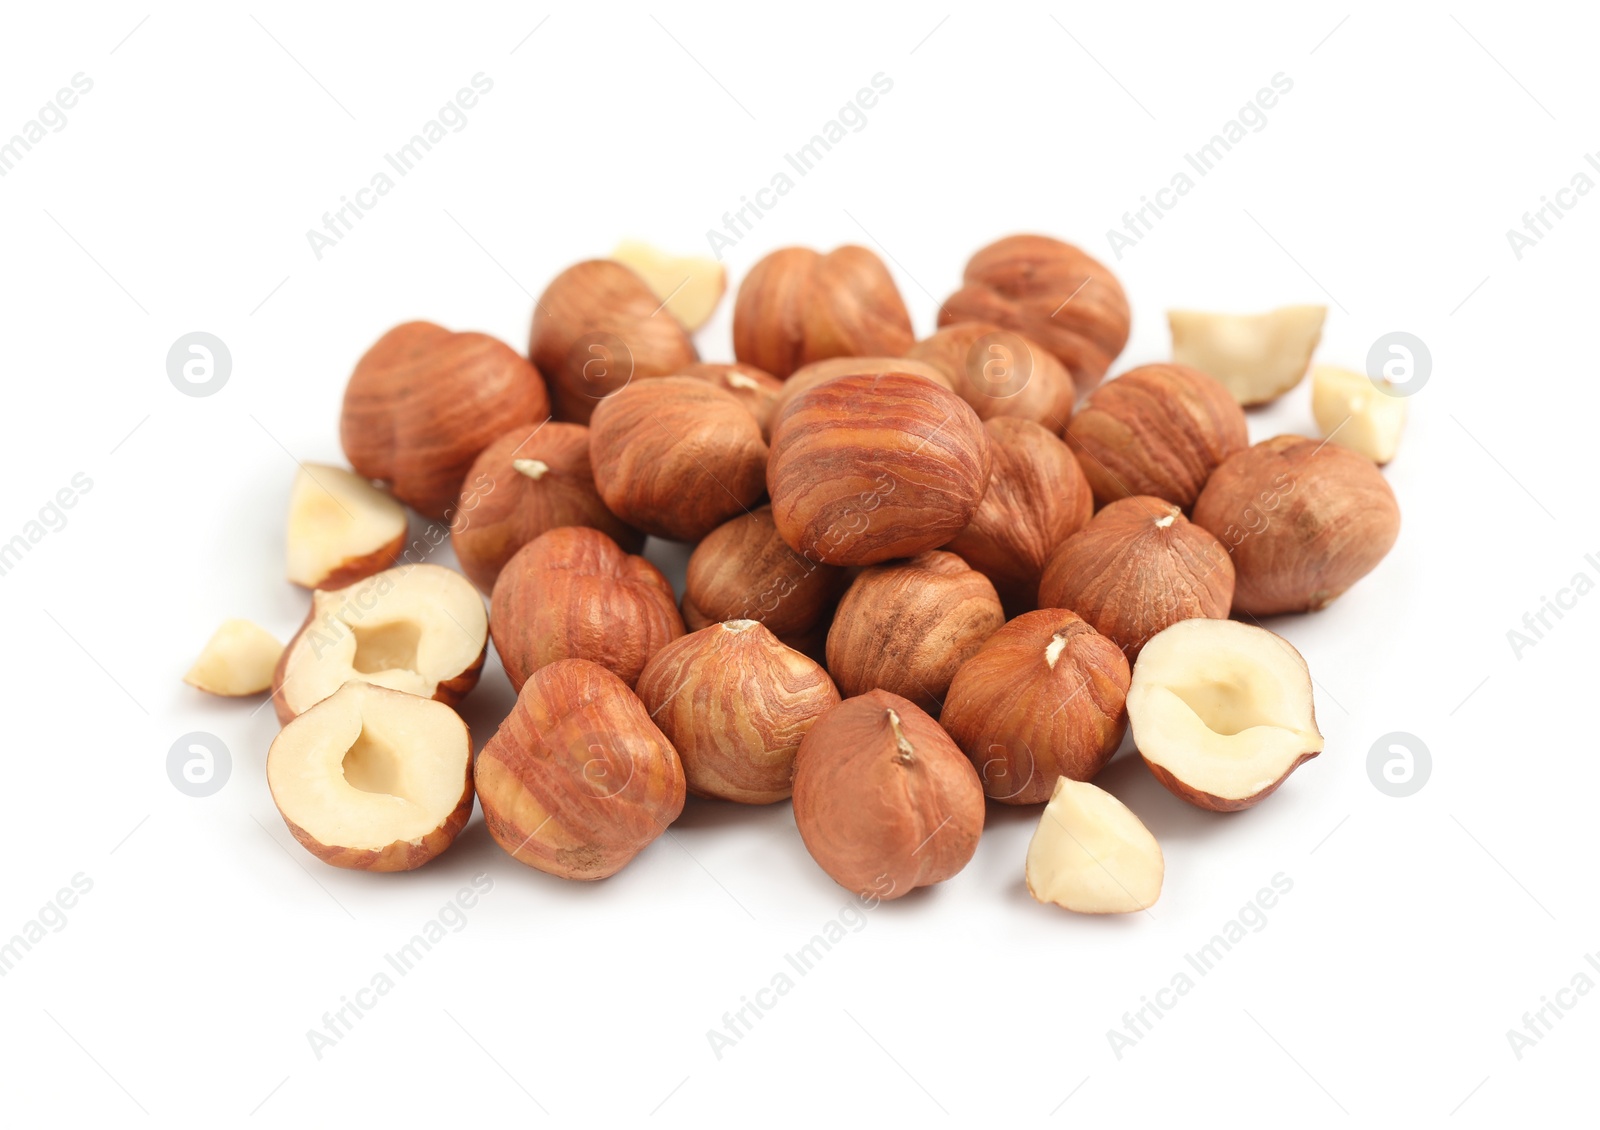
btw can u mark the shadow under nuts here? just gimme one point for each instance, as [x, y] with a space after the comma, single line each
[906, 627]
[735, 704]
[578, 780]
[868, 468]
[676, 457]
[1043, 698]
[573, 594]
[883, 799]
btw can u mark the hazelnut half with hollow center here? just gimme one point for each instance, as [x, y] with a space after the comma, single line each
[1257, 357]
[373, 779]
[421, 629]
[1092, 855]
[1222, 712]
[341, 528]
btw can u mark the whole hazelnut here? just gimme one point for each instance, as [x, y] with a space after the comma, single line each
[596, 327]
[1037, 499]
[809, 376]
[423, 402]
[883, 799]
[578, 780]
[735, 704]
[1304, 520]
[1158, 430]
[907, 626]
[572, 593]
[526, 483]
[744, 570]
[676, 457]
[1137, 567]
[1052, 293]
[1000, 373]
[868, 468]
[755, 388]
[797, 306]
[1042, 698]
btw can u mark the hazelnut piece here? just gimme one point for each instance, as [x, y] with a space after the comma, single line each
[689, 286]
[1303, 520]
[341, 528]
[883, 799]
[745, 570]
[735, 704]
[676, 457]
[597, 326]
[578, 780]
[1092, 855]
[1158, 430]
[572, 593]
[423, 402]
[525, 483]
[1043, 698]
[1357, 412]
[1000, 373]
[238, 660]
[797, 306]
[1258, 357]
[868, 468]
[1138, 566]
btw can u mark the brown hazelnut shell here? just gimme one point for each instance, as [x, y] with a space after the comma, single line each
[1001, 373]
[755, 388]
[744, 570]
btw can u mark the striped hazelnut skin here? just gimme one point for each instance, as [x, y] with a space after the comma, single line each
[597, 327]
[755, 388]
[868, 468]
[1158, 430]
[797, 306]
[1304, 520]
[1043, 698]
[735, 703]
[573, 593]
[676, 457]
[578, 780]
[526, 483]
[744, 570]
[1037, 498]
[1139, 566]
[883, 799]
[1001, 373]
[423, 402]
[1052, 293]
[906, 626]
[809, 376]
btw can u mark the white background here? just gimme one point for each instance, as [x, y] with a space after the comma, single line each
[177, 198]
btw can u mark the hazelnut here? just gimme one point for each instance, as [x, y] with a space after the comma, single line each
[735, 703]
[744, 570]
[883, 799]
[1037, 498]
[1158, 430]
[1000, 373]
[1303, 521]
[525, 483]
[341, 528]
[578, 780]
[423, 402]
[676, 457]
[809, 376]
[755, 388]
[797, 306]
[1138, 566]
[1257, 357]
[238, 660]
[572, 593]
[596, 327]
[1091, 854]
[867, 468]
[907, 626]
[1043, 698]
[1050, 292]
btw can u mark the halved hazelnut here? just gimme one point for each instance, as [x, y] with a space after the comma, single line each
[1138, 566]
[735, 703]
[421, 629]
[1042, 698]
[1357, 412]
[883, 799]
[1257, 357]
[1222, 712]
[689, 286]
[578, 780]
[373, 779]
[341, 528]
[237, 660]
[1092, 855]
[1001, 373]
[744, 570]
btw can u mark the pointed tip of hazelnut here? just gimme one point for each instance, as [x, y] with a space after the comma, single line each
[902, 744]
[1053, 649]
[535, 469]
[1165, 520]
[737, 626]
